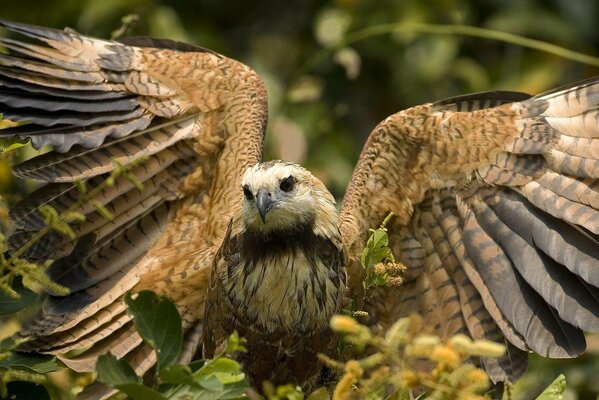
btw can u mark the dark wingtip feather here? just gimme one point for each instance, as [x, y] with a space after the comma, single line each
[478, 101]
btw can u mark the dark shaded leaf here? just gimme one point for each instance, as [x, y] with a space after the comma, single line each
[159, 324]
[115, 372]
[138, 391]
[9, 305]
[196, 364]
[176, 374]
[119, 374]
[40, 363]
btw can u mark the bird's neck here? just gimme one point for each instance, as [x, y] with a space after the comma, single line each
[284, 281]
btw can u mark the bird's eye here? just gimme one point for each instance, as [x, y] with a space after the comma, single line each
[287, 184]
[248, 193]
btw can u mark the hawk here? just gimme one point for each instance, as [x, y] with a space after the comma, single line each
[279, 276]
[495, 197]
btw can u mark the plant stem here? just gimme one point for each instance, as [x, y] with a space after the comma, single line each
[451, 30]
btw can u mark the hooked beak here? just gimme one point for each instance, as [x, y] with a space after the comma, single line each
[265, 203]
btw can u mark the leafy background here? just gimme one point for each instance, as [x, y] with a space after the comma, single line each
[324, 104]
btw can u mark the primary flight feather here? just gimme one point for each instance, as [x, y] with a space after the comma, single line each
[495, 198]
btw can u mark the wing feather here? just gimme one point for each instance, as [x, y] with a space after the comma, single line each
[198, 119]
[504, 188]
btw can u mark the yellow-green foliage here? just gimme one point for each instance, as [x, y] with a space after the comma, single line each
[404, 363]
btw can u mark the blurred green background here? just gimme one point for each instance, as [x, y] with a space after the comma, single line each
[321, 110]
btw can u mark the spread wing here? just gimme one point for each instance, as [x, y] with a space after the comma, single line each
[197, 117]
[496, 200]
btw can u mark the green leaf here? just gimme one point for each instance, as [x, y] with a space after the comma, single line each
[12, 143]
[555, 391]
[233, 391]
[221, 378]
[119, 374]
[212, 383]
[177, 374]
[39, 363]
[319, 394]
[379, 239]
[7, 344]
[138, 391]
[235, 343]
[224, 369]
[159, 324]
[115, 372]
[9, 305]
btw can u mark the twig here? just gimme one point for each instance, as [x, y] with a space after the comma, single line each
[457, 30]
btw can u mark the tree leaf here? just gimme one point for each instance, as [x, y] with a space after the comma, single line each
[138, 391]
[159, 324]
[40, 363]
[319, 394]
[555, 391]
[119, 374]
[221, 378]
[233, 391]
[115, 372]
[177, 374]
[235, 343]
[8, 305]
[225, 369]
[8, 144]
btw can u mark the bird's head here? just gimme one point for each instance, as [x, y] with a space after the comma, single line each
[282, 196]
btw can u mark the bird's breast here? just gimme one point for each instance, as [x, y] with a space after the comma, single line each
[290, 287]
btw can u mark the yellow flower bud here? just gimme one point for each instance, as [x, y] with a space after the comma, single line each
[343, 386]
[398, 332]
[461, 343]
[410, 378]
[486, 348]
[422, 346]
[344, 324]
[426, 340]
[476, 375]
[445, 354]
[353, 368]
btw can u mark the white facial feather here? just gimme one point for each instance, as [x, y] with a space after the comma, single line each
[308, 201]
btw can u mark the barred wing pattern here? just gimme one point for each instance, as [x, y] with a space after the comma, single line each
[196, 116]
[496, 201]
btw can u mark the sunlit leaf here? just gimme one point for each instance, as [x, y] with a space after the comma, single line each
[9, 144]
[235, 343]
[225, 368]
[555, 391]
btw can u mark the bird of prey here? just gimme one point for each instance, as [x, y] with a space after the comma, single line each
[279, 276]
[495, 197]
